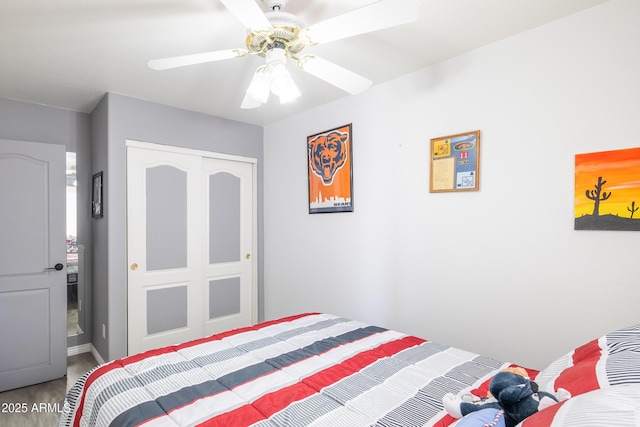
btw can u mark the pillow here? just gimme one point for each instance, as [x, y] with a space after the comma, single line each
[612, 359]
[618, 406]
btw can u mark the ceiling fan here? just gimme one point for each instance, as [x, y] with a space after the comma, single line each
[277, 35]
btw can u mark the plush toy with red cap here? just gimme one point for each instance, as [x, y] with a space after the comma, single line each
[514, 398]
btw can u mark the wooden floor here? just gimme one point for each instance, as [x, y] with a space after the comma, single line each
[42, 402]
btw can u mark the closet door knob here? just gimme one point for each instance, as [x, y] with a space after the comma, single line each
[134, 266]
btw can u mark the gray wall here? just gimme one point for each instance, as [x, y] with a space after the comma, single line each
[99, 142]
[116, 119]
[99, 125]
[24, 121]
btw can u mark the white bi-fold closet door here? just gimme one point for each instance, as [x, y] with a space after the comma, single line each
[191, 228]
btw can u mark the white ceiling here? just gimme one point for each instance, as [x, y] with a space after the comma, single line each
[69, 53]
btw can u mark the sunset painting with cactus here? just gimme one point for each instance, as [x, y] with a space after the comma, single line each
[607, 190]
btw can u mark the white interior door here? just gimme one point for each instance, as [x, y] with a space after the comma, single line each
[33, 292]
[182, 285]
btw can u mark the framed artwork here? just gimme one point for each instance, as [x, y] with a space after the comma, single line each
[330, 171]
[97, 208]
[607, 190]
[455, 163]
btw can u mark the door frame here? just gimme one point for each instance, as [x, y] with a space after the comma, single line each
[254, 214]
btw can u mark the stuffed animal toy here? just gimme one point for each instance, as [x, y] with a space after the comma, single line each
[516, 370]
[488, 417]
[513, 394]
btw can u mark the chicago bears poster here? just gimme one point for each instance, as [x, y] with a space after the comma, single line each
[329, 162]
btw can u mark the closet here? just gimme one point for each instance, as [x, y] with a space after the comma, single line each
[191, 230]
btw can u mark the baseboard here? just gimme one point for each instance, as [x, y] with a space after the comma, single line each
[85, 348]
[78, 349]
[96, 355]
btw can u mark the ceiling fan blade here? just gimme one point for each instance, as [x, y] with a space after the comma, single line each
[376, 16]
[336, 75]
[249, 13]
[197, 58]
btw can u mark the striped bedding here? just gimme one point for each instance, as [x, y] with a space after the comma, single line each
[603, 376]
[610, 360]
[311, 369]
[617, 406]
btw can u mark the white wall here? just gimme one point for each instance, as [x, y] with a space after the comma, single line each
[499, 271]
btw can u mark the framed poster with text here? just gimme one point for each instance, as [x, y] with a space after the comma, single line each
[329, 170]
[455, 163]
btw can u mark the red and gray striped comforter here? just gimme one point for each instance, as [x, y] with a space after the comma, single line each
[306, 370]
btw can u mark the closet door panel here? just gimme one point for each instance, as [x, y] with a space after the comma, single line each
[230, 262]
[164, 211]
[224, 218]
[224, 297]
[166, 218]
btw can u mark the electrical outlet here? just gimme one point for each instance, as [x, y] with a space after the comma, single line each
[104, 331]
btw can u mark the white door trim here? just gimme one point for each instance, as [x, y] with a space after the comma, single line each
[189, 151]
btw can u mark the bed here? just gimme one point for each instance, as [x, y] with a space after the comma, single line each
[318, 369]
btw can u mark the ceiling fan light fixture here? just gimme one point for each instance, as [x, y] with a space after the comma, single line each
[271, 78]
[260, 85]
[276, 55]
[248, 103]
[282, 84]
[284, 87]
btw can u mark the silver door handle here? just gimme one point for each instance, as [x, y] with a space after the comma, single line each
[56, 267]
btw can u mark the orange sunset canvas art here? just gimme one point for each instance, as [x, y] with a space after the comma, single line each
[607, 190]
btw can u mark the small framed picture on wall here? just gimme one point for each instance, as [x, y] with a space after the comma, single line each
[97, 207]
[455, 163]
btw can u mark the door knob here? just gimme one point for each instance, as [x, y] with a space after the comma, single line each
[134, 266]
[248, 256]
[56, 267]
